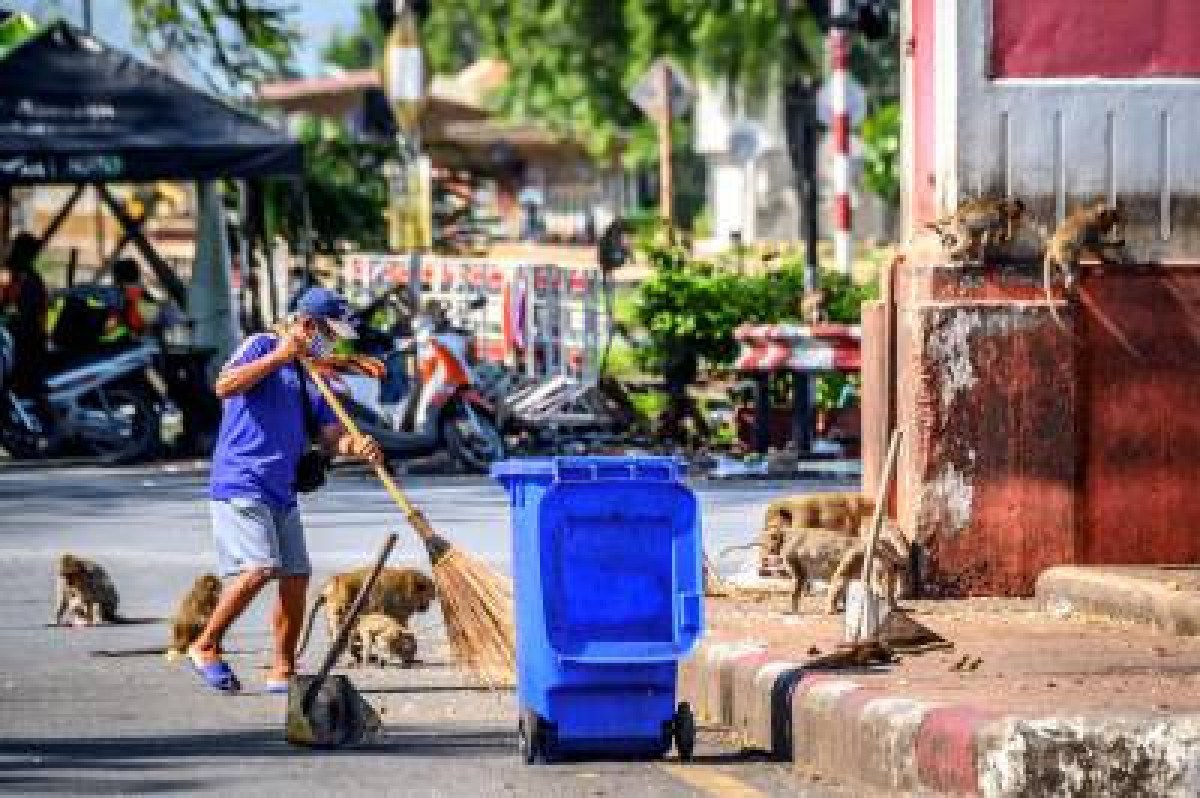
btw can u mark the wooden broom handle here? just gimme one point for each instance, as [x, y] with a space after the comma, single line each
[881, 494]
[415, 518]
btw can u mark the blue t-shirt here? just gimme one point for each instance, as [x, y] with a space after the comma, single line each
[262, 431]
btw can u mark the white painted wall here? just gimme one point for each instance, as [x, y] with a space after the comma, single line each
[1056, 143]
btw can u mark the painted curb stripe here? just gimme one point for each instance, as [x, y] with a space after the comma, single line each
[946, 748]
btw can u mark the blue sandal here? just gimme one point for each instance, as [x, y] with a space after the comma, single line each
[217, 675]
[276, 687]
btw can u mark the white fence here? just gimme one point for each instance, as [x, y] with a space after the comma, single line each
[540, 319]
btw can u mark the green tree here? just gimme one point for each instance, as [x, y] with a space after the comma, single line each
[233, 44]
[880, 133]
[358, 48]
[347, 193]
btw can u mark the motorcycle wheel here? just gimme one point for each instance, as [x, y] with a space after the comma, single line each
[476, 445]
[132, 412]
[21, 443]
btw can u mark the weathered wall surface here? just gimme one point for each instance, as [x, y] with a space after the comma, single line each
[1031, 445]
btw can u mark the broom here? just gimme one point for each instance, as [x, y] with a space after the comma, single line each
[477, 601]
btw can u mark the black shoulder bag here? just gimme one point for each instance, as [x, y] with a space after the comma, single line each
[312, 465]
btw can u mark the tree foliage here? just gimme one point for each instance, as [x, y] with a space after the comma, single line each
[694, 306]
[347, 192]
[589, 53]
[880, 133]
[359, 48]
[233, 44]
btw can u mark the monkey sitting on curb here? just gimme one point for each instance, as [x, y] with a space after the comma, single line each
[398, 592]
[382, 639]
[192, 616]
[85, 593]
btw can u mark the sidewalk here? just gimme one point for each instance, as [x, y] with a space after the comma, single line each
[1058, 704]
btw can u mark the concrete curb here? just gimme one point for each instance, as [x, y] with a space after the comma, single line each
[833, 725]
[1107, 592]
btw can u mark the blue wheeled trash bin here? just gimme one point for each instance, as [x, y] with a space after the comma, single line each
[609, 596]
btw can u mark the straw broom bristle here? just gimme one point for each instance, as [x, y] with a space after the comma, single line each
[477, 604]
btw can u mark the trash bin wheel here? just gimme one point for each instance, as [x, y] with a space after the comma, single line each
[529, 737]
[683, 728]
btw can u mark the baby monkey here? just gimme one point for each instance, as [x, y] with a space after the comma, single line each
[192, 616]
[382, 639]
[85, 593]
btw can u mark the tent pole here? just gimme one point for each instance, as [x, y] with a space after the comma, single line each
[60, 217]
[133, 229]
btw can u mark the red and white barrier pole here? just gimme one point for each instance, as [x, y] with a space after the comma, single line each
[839, 97]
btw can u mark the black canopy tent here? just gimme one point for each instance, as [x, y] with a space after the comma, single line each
[75, 111]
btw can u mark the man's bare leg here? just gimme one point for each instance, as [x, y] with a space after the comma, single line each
[287, 620]
[236, 596]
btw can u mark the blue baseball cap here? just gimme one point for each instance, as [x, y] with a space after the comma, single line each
[328, 306]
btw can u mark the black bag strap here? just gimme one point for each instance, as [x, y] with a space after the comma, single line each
[311, 428]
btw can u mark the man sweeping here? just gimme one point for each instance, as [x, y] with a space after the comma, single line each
[269, 407]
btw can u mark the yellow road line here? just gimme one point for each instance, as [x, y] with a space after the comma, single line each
[711, 781]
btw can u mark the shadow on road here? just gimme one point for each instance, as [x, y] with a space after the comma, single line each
[33, 754]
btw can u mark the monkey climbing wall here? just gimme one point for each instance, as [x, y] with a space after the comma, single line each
[1030, 444]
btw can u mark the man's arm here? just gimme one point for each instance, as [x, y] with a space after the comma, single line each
[234, 380]
[252, 366]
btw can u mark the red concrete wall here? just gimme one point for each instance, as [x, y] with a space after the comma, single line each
[1029, 447]
[1140, 386]
[1101, 38]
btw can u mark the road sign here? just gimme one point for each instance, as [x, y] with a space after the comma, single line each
[647, 95]
[856, 102]
[747, 141]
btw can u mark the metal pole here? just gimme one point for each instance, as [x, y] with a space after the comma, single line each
[664, 141]
[839, 85]
[801, 412]
[762, 412]
[87, 15]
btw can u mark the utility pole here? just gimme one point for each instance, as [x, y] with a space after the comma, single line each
[87, 15]
[841, 24]
[666, 195]
[409, 222]
[800, 121]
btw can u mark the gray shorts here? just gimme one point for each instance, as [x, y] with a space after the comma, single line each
[253, 534]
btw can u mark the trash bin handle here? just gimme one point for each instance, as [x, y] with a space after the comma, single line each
[637, 470]
[691, 611]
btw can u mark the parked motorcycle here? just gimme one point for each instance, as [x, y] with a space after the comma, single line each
[441, 408]
[109, 405]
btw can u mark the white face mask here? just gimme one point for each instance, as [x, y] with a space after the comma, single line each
[320, 346]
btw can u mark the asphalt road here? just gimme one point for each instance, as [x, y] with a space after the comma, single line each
[74, 723]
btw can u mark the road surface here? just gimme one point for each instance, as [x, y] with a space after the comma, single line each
[76, 723]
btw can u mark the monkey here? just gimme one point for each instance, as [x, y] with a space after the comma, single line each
[976, 225]
[812, 307]
[842, 512]
[381, 638]
[399, 592]
[889, 569]
[1085, 231]
[192, 616]
[85, 593]
[813, 553]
